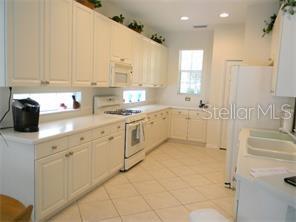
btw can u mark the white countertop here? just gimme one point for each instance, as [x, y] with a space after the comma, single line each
[275, 183]
[60, 128]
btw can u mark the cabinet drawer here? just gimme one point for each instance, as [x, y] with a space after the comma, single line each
[180, 112]
[51, 147]
[115, 128]
[80, 138]
[101, 132]
[198, 114]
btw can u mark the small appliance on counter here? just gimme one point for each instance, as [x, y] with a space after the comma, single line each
[25, 115]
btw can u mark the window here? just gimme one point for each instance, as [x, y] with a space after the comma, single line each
[52, 102]
[191, 67]
[134, 96]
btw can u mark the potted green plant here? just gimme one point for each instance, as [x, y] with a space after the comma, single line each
[138, 27]
[92, 4]
[287, 6]
[119, 19]
[158, 38]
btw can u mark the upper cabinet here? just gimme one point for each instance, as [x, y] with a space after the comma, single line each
[83, 43]
[283, 54]
[102, 41]
[25, 24]
[121, 43]
[58, 42]
[63, 43]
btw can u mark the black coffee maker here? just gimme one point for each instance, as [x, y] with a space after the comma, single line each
[25, 115]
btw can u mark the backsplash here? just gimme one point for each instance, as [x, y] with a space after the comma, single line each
[86, 103]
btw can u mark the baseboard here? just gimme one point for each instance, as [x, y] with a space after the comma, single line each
[186, 142]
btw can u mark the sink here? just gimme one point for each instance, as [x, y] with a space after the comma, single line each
[277, 149]
[270, 135]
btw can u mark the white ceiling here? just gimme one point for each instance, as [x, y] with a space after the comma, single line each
[164, 15]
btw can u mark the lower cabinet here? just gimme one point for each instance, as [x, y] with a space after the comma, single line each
[66, 175]
[197, 130]
[156, 129]
[52, 174]
[79, 171]
[99, 160]
[116, 152]
[188, 125]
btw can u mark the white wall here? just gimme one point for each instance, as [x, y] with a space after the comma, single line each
[228, 45]
[256, 47]
[202, 39]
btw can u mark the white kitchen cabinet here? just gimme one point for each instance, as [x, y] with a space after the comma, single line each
[163, 66]
[100, 169]
[116, 152]
[51, 184]
[121, 43]
[147, 78]
[58, 42]
[179, 125]
[283, 54]
[197, 130]
[138, 53]
[79, 174]
[102, 44]
[83, 44]
[25, 35]
[149, 136]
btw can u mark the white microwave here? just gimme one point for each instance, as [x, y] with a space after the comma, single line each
[120, 74]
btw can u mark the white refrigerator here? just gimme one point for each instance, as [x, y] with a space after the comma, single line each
[250, 87]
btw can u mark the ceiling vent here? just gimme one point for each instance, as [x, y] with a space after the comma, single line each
[200, 26]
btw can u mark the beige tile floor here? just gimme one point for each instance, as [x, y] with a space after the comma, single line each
[174, 180]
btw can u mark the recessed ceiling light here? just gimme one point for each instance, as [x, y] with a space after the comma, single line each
[224, 15]
[184, 18]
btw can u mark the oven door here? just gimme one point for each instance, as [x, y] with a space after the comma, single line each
[135, 138]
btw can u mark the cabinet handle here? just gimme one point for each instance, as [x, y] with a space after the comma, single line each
[111, 138]
[67, 154]
[118, 127]
[81, 138]
[71, 154]
[93, 83]
[140, 85]
[102, 132]
[122, 60]
[271, 91]
[47, 82]
[54, 147]
[164, 118]
[152, 123]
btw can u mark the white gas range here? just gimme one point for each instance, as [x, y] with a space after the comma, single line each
[134, 127]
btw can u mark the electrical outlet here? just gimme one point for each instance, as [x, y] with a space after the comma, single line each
[187, 99]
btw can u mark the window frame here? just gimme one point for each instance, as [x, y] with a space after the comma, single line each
[190, 71]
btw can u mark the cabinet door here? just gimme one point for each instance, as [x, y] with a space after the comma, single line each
[149, 136]
[164, 66]
[179, 127]
[137, 60]
[58, 42]
[51, 184]
[79, 170]
[155, 64]
[197, 130]
[121, 43]
[147, 78]
[116, 152]
[99, 160]
[25, 23]
[82, 45]
[102, 41]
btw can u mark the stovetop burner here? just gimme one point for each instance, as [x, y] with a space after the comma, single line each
[123, 112]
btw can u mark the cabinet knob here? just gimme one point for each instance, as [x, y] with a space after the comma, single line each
[67, 154]
[71, 153]
[81, 138]
[122, 60]
[140, 85]
[272, 91]
[118, 127]
[54, 147]
[102, 132]
[111, 138]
